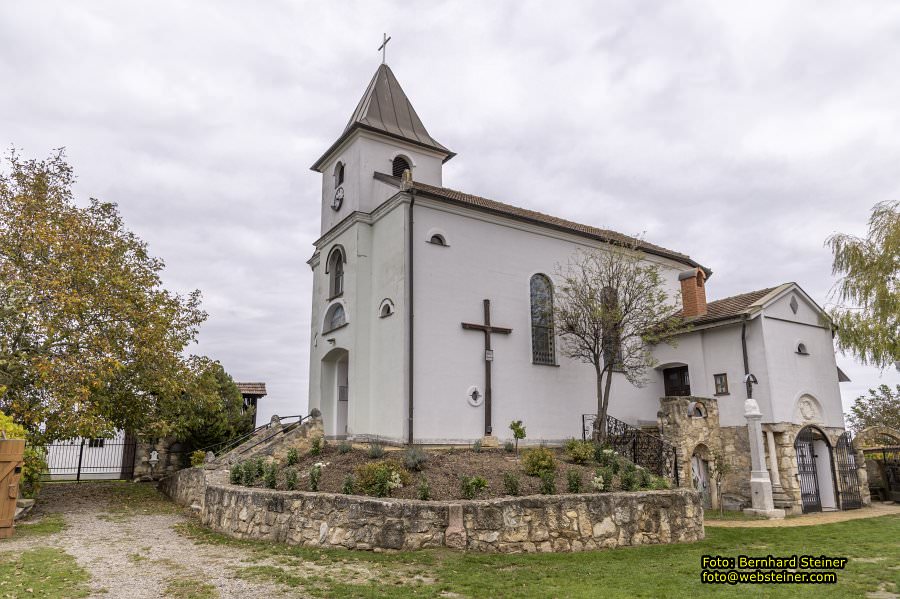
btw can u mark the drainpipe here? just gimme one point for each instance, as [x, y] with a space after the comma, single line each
[746, 361]
[409, 308]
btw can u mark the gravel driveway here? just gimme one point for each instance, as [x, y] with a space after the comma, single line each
[125, 537]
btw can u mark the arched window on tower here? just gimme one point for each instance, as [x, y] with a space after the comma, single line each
[399, 165]
[335, 269]
[338, 175]
[542, 338]
[335, 318]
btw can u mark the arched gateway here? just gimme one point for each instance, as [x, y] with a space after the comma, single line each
[828, 479]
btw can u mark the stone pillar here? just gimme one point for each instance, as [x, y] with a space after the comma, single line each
[760, 484]
[773, 463]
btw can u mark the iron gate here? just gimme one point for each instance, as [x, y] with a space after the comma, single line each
[847, 479]
[91, 459]
[806, 468]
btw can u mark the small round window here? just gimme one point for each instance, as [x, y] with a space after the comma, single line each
[437, 240]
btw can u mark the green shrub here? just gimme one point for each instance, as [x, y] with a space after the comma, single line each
[379, 479]
[604, 455]
[249, 473]
[510, 484]
[578, 451]
[270, 478]
[602, 480]
[293, 456]
[316, 445]
[628, 480]
[629, 466]
[476, 446]
[423, 491]
[538, 460]
[518, 431]
[315, 475]
[376, 450]
[345, 447]
[645, 479]
[197, 458]
[509, 447]
[659, 483]
[414, 459]
[259, 467]
[236, 473]
[573, 481]
[290, 479]
[472, 486]
[548, 482]
[34, 458]
[349, 486]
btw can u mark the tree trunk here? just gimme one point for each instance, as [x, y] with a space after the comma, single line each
[603, 388]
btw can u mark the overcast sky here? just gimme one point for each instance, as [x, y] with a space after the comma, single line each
[742, 134]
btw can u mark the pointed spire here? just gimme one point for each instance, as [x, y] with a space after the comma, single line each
[385, 108]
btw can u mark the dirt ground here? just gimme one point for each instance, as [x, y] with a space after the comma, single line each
[127, 537]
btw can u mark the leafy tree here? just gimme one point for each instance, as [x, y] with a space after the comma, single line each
[90, 341]
[211, 410]
[881, 407]
[611, 309]
[868, 319]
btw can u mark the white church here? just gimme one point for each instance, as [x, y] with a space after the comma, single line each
[427, 328]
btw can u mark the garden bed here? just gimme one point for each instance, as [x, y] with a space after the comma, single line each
[443, 470]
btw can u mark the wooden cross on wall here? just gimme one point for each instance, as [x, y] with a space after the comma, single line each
[487, 329]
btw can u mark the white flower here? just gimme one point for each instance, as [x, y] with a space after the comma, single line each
[597, 483]
[319, 465]
[395, 482]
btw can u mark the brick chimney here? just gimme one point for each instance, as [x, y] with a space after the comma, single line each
[693, 292]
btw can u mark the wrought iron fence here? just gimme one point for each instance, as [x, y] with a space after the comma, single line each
[90, 459]
[642, 448]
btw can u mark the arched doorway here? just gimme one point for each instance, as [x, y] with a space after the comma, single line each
[700, 475]
[335, 392]
[814, 466]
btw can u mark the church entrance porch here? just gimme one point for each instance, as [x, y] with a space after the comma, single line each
[336, 392]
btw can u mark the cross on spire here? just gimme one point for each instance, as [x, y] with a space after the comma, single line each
[383, 48]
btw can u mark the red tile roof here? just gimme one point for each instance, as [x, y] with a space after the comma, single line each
[731, 307]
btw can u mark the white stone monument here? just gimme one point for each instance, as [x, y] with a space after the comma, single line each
[760, 483]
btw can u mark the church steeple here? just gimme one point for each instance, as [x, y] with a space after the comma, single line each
[384, 108]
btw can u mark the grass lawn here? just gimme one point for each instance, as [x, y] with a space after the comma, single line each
[41, 572]
[652, 571]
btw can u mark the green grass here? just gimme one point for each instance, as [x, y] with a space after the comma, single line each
[190, 588]
[43, 572]
[649, 571]
[46, 525]
[729, 515]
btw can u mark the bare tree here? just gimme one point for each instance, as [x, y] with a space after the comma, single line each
[612, 308]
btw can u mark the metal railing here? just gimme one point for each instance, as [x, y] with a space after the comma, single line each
[90, 459]
[644, 449]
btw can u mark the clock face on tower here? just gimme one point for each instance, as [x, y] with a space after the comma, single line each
[338, 200]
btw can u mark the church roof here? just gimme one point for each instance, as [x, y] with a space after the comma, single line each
[478, 202]
[731, 307]
[385, 108]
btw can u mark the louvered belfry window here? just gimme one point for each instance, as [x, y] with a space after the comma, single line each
[400, 164]
[542, 347]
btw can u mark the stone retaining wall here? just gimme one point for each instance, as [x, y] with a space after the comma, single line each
[511, 525]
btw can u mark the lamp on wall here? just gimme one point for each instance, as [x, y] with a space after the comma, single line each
[750, 378]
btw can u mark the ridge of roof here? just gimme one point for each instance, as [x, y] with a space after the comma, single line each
[252, 388]
[732, 306]
[385, 108]
[483, 203]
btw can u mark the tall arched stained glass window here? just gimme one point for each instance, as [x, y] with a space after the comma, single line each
[542, 346]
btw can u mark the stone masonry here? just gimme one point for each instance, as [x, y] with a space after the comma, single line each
[509, 525]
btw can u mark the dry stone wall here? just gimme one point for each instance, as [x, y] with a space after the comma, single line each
[511, 525]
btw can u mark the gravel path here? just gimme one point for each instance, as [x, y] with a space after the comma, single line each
[135, 552]
[873, 511]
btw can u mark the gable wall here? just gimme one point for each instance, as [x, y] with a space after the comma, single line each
[792, 375]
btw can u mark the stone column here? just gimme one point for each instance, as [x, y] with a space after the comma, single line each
[760, 484]
[773, 463]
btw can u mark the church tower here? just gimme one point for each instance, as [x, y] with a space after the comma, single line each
[384, 135]
[360, 342]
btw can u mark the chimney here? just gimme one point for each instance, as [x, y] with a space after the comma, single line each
[693, 292]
